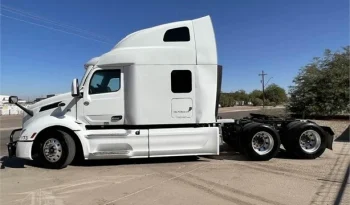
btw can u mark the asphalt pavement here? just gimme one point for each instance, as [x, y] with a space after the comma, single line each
[224, 179]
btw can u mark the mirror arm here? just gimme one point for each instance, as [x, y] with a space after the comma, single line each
[29, 112]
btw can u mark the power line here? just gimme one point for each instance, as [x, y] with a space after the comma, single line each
[55, 29]
[262, 74]
[268, 81]
[46, 20]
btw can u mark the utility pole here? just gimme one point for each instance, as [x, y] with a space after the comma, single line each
[262, 74]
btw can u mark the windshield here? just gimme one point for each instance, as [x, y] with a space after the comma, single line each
[82, 82]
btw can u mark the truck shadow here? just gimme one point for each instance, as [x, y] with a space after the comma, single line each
[116, 162]
[344, 136]
[227, 153]
[11, 162]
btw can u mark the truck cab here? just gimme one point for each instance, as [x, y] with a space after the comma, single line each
[154, 94]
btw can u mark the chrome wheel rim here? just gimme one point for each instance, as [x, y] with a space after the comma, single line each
[52, 150]
[310, 141]
[262, 142]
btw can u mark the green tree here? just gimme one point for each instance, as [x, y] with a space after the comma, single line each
[257, 102]
[255, 94]
[275, 94]
[227, 99]
[241, 95]
[322, 87]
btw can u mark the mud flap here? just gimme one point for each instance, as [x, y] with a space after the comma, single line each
[329, 136]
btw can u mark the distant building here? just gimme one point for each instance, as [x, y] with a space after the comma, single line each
[38, 99]
[4, 99]
[51, 95]
[8, 109]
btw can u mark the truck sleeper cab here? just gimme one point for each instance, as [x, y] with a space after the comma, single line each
[154, 94]
[144, 98]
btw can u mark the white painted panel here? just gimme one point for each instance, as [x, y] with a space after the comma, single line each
[205, 41]
[181, 108]
[24, 150]
[117, 143]
[150, 55]
[100, 108]
[184, 141]
[148, 95]
[206, 88]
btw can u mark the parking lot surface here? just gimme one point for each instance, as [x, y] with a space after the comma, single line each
[224, 179]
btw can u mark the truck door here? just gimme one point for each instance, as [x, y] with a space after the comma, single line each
[103, 97]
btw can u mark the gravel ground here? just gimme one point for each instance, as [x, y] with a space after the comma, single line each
[225, 179]
[338, 127]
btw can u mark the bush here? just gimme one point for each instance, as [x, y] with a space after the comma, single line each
[322, 87]
[276, 94]
[257, 102]
[255, 94]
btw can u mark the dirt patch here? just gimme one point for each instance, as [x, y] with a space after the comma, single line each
[340, 128]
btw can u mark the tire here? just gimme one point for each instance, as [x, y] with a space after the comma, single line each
[304, 140]
[260, 142]
[62, 148]
[229, 143]
[285, 139]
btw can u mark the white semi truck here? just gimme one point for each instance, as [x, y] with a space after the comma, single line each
[155, 94]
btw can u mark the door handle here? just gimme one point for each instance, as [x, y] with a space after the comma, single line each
[116, 118]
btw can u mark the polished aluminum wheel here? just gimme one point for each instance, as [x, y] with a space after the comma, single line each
[310, 141]
[52, 150]
[262, 142]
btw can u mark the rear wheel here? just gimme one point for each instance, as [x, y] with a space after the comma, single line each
[260, 143]
[305, 141]
[56, 149]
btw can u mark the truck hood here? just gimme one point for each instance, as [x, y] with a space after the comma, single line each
[54, 99]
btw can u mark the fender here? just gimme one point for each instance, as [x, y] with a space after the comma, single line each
[248, 128]
[34, 128]
[326, 131]
[223, 121]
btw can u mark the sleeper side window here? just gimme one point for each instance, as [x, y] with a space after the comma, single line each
[104, 81]
[177, 34]
[181, 81]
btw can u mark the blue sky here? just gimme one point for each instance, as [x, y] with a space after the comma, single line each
[276, 36]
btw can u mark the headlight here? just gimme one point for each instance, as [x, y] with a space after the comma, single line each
[23, 138]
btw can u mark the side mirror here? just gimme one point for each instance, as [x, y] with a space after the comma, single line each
[13, 99]
[75, 88]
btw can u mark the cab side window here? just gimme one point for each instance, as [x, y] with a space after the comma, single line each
[181, 81]
[104, 81]
[177, 35]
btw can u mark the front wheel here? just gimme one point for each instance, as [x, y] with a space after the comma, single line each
[260, 143]
[56, 149]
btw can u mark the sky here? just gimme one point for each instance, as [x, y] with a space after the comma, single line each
[41, 55]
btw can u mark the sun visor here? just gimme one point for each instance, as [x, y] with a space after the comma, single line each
[92, 61]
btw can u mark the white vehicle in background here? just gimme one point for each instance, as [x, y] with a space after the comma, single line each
[155, 94]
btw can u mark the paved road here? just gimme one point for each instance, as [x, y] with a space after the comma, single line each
[7, 123]
[224, 179]
[10, 121]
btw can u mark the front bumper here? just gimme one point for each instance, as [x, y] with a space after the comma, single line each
[20, 148]
[12, 145]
